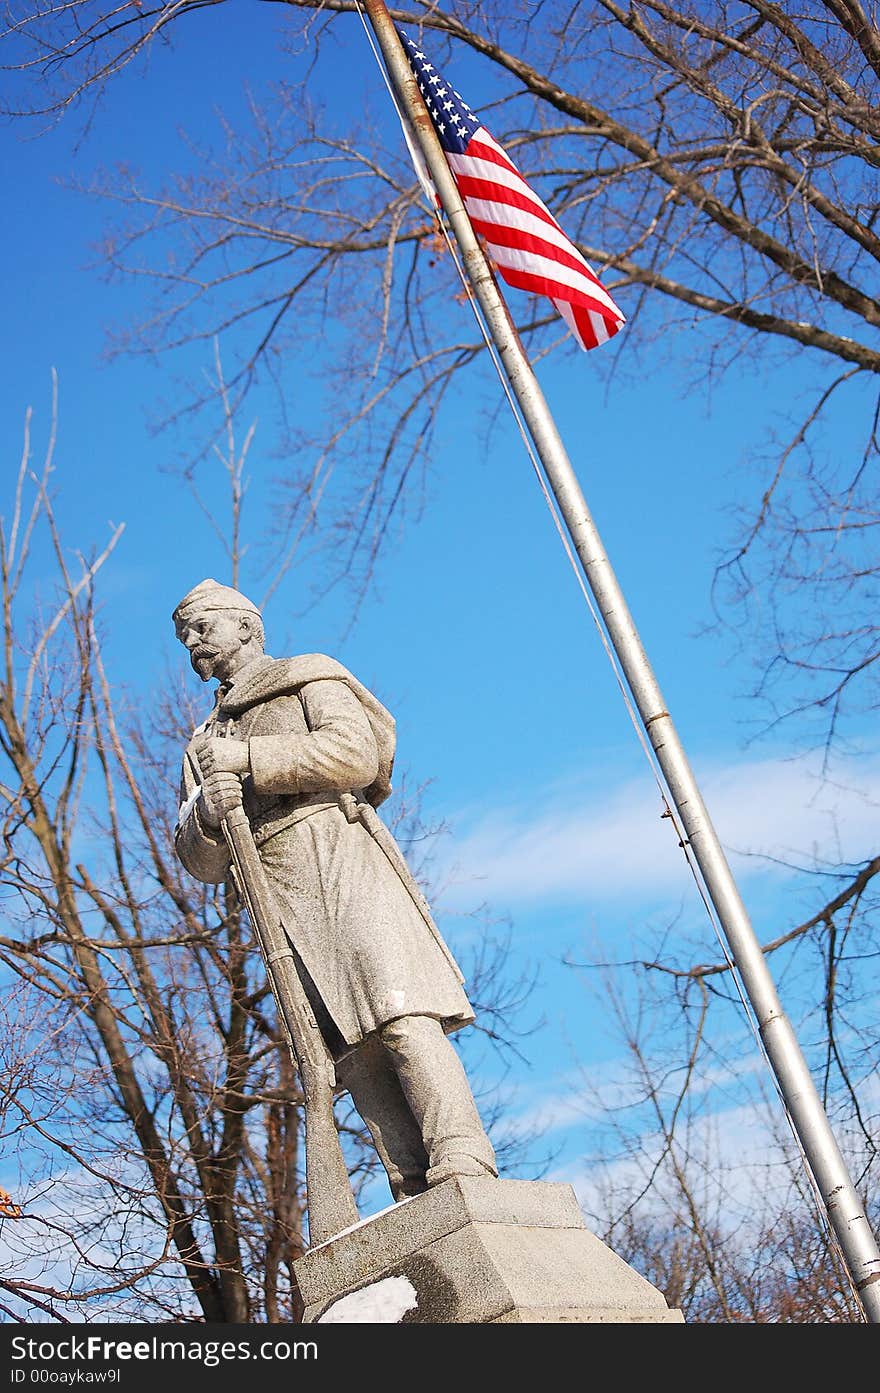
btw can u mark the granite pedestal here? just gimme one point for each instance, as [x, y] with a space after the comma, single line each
[476, 1251]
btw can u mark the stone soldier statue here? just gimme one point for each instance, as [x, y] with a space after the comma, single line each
[309, 750]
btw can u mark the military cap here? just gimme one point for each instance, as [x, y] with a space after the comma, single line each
[210, 594]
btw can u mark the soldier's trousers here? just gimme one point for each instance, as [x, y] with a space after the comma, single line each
[409, 1086]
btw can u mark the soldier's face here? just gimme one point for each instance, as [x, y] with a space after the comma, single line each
[213, 640]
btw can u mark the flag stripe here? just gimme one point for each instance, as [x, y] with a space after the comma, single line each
[529, 260]
[538, 241]
[505, 196]
[489, 176]
[503, 235]
[483, 148]
[588, 328]
[522, 221]
[520, 270]
[505, 226]
[484, 144]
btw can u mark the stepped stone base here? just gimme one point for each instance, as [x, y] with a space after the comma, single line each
[476, 1251]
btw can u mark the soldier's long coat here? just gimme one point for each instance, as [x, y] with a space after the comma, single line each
[313, 732]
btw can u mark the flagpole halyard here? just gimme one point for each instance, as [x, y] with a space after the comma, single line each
[842, 1203]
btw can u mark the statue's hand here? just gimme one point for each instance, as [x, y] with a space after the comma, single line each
[220, 793]
[222, 756]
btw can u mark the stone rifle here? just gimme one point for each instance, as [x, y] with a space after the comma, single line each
[331, 1204]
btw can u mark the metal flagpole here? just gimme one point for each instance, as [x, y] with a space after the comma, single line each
[843, 1205]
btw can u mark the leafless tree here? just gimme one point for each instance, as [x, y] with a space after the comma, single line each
[728, 1227]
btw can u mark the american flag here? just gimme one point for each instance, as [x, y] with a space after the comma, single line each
[524, 239]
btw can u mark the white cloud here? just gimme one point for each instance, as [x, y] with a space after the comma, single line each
[576, 842]
[612, 1089]
[729, 1154]
[564, 1106]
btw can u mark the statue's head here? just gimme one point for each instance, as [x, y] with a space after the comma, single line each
[220, 628]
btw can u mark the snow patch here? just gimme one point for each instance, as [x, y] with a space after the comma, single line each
[187, 807]
[382, 1303]
[361, 1222]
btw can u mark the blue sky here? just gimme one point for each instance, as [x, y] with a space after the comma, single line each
[476, 636]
